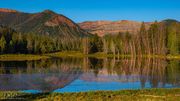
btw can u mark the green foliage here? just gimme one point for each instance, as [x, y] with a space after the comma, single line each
[2, 44]
[13, 42]
[159, 39]
[173, 39]
[96, 44]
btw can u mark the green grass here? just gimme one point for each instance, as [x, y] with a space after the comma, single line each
[81, 55]
[66, 54]
[21, 57]
[103, 55]
[173, 57]
[123, 95]
[77, 54]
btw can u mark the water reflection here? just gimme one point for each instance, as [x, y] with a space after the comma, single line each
[72, 74]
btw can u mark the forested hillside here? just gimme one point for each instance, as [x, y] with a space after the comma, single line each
[161, 38]
[15, 42]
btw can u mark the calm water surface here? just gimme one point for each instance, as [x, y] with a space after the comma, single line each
[88, 74]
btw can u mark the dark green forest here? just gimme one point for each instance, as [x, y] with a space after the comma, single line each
[161, 38]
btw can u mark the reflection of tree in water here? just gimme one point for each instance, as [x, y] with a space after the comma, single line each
[45, 75]
[11, 67]
[157, 72]
[95, 65]
[173, 73]
[51, 74]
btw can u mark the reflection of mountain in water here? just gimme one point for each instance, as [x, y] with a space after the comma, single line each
[45, 75]
[48, 75]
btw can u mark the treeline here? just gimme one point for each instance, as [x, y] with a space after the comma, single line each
[14, 42]
[161, 38]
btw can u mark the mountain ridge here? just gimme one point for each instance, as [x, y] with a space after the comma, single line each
[7, 10]
[102, 28]
[45, 22]
[50, 23]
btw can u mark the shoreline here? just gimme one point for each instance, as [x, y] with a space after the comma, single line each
[100, 55]
[22, 57]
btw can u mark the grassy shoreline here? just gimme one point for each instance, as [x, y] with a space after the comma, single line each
[103, 55]
[28, 57]
[127, 95]
[21, 57]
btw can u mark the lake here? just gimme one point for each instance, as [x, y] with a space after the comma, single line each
[88, 74]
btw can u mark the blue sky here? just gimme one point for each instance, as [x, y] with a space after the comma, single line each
[90, 10]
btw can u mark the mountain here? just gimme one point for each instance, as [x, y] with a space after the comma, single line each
[112, 27]
[46, 22]
[168, 22]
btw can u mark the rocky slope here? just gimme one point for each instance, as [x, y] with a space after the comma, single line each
[7, 10]
[112, 27]
[46, 22]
